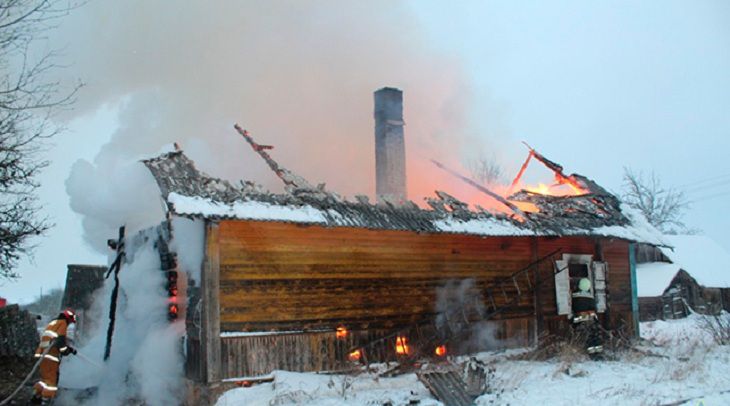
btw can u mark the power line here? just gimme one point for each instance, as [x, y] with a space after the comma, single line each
[705, 187]
[709, 197]
[704, 180]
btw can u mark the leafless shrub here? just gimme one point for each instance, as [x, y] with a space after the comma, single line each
[679, 369]
[291, 397]
[342, 384]
[662, 206]
[486, 170]
[567, 348]
[717, 326]
[48, 304]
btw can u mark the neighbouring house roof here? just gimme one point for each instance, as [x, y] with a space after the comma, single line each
[698, 255]
[653, 278]
[189, 192]
[701, 257]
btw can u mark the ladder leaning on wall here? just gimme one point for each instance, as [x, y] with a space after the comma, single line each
[499, 296]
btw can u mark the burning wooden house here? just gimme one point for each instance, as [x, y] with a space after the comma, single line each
[308, 281]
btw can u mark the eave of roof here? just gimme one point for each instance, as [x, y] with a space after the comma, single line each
[191, 193]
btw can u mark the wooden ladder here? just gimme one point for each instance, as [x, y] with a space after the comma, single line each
[456, 322]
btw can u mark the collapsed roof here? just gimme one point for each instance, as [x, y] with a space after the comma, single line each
[189, 192]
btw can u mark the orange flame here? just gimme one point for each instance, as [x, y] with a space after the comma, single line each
[440, 350]
[562, 187]
[354, 356]
[401, 346]
[341, 333]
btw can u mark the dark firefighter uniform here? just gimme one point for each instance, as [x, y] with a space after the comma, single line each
[53, 343]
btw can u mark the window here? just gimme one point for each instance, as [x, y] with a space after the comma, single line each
[569, 271]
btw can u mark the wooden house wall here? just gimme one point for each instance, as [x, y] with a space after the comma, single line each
[619, 314]
[612, 251]
[705, 300]
[256, 354]
[281, 277]
[651, 308]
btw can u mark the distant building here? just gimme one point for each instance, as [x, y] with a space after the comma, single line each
[81, 283]
[693, 275]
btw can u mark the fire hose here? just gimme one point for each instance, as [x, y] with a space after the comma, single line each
[35, 368]
[32, 371]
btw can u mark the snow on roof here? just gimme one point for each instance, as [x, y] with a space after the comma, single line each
[638, 229]
[653, 278]
[250, 210]
[701, 257]
[192, 193]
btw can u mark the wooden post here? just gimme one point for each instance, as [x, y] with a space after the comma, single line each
[210, 286]
[539, 323]
[634, 294]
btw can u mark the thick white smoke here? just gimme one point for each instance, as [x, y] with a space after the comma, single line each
[146, 360]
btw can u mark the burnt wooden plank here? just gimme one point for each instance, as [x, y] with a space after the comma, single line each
[446, 386]
[211, 305]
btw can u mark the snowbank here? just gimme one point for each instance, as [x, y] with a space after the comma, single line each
[686, 366]
[292, 388]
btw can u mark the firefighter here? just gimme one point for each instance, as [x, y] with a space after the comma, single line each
[55, 345]
[585, 318]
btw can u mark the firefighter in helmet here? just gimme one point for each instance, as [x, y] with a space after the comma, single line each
[585, 318]
[52, 347]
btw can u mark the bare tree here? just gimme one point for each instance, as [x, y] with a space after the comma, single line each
[48, 304]
[486, 171]
[28, 102]
[662, 206]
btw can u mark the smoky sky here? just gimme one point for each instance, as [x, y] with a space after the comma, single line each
[298, 75]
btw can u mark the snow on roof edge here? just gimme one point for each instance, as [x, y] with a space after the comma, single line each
[248, 210]
[255, 210]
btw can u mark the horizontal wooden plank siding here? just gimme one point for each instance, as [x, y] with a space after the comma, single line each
[616, 253]
[279, 276]
[255, 355]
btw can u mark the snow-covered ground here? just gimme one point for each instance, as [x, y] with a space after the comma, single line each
[678, 361]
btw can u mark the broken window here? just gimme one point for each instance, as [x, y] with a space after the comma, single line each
[569, 271]
[578, 270]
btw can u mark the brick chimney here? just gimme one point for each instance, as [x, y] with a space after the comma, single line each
[390, 149]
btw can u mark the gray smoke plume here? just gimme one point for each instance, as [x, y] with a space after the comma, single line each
[299, 75]
[461, 313]
[457, 303]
